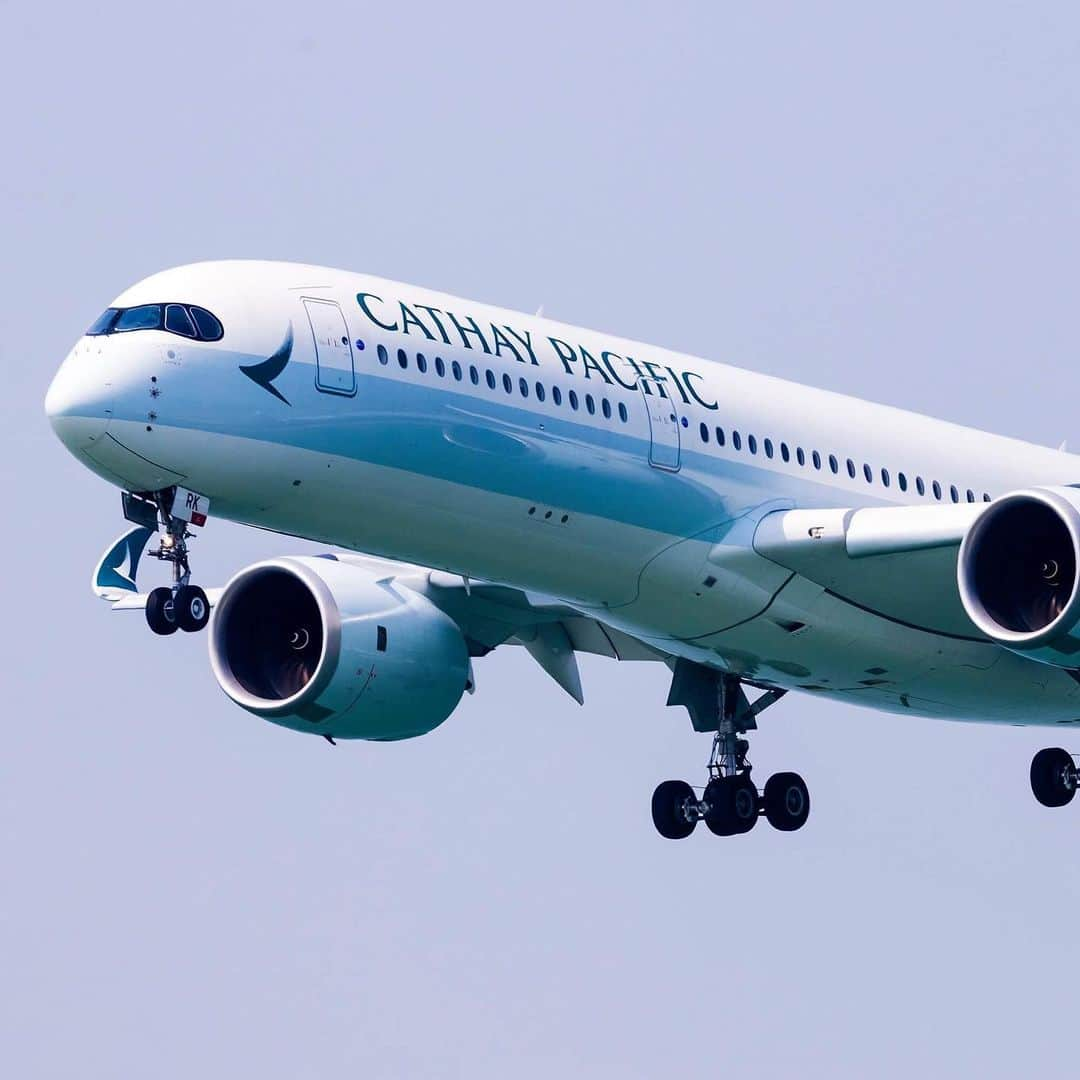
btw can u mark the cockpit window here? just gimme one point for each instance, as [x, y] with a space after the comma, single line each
[178, 321]
[143, 317]
[183, 319]
[210, 328]
[103, 323]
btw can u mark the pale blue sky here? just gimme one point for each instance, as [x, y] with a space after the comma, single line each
[880, 202]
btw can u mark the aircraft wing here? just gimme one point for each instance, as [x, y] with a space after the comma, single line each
[489, 615]
[549, 630]
[896, 561]
[136, 601]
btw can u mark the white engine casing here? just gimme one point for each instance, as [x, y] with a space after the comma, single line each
[1017, 571]
[326, 647]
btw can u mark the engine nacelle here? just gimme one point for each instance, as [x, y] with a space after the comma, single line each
[325, 647]
[1017, 572]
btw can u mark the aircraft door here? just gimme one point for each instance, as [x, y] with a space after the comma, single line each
[664, 430]
[334, 370]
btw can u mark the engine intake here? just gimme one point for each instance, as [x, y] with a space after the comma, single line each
[323, 646]
[1017, 573]
[275, 639]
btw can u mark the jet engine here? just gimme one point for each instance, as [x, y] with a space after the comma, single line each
[326, 647]
[1017, 572]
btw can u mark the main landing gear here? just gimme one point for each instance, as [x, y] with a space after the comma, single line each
[183, 606]
[1054, 776]
[731, 803]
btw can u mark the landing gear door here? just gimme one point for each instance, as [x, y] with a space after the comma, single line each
[664, 431]
[334, 370]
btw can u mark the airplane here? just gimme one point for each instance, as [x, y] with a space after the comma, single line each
[493, 478]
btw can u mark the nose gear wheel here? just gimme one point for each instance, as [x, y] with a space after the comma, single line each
[182, 606]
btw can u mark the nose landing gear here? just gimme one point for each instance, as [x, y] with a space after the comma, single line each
[183, 606]
[731, 803]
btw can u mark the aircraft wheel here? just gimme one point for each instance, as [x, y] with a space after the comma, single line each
[192, 608]
[787, 801]
[733, 805]
[1053, 777]
[161, 612]
[670, 803]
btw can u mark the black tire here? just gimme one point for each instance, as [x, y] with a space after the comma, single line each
[161, 612]
[668, 809]
[718, 816]
[1053, 777]
[787, 801]
[733, 805]
[192, 608]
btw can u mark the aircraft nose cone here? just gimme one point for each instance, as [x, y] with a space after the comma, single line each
[78, 405]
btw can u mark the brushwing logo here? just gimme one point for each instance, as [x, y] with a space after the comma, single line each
[114, 577]
[266, 371]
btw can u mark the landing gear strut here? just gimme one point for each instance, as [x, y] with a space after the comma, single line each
[730, 803]
[183, 606]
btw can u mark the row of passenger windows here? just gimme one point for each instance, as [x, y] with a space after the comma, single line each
[525, 388]
[522, 386]
[187, 320]
[707, 434]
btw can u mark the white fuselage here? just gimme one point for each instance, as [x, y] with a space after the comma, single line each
[624, 479]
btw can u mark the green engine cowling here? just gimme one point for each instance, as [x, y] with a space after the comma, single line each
[1017, 574]
[325, 647]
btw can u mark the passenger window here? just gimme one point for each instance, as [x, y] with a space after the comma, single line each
[868, 473]
[719, 436]
[605, 408]
[800, 456]
[144, 317]
[402, 359]
[489, 376]
[901, 479]
[768, 448]
[209, 326]
[384, 356]
[590, 405]
[540, 393]
[986, 497]
[421, 363]
[455, 369]
[178, 321]
[623, 414]
[474, 375]
[556, 395]
[508, 384]
[834, 465]
[953, 493]
[785, 453]
[705, 433]
[920, 487]
[885, 477]
[851, 468]
[736, 440]
[440, 367]
[817, 460]
[572, 398]
[937, 490]
[523, 386]
[970, 495]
